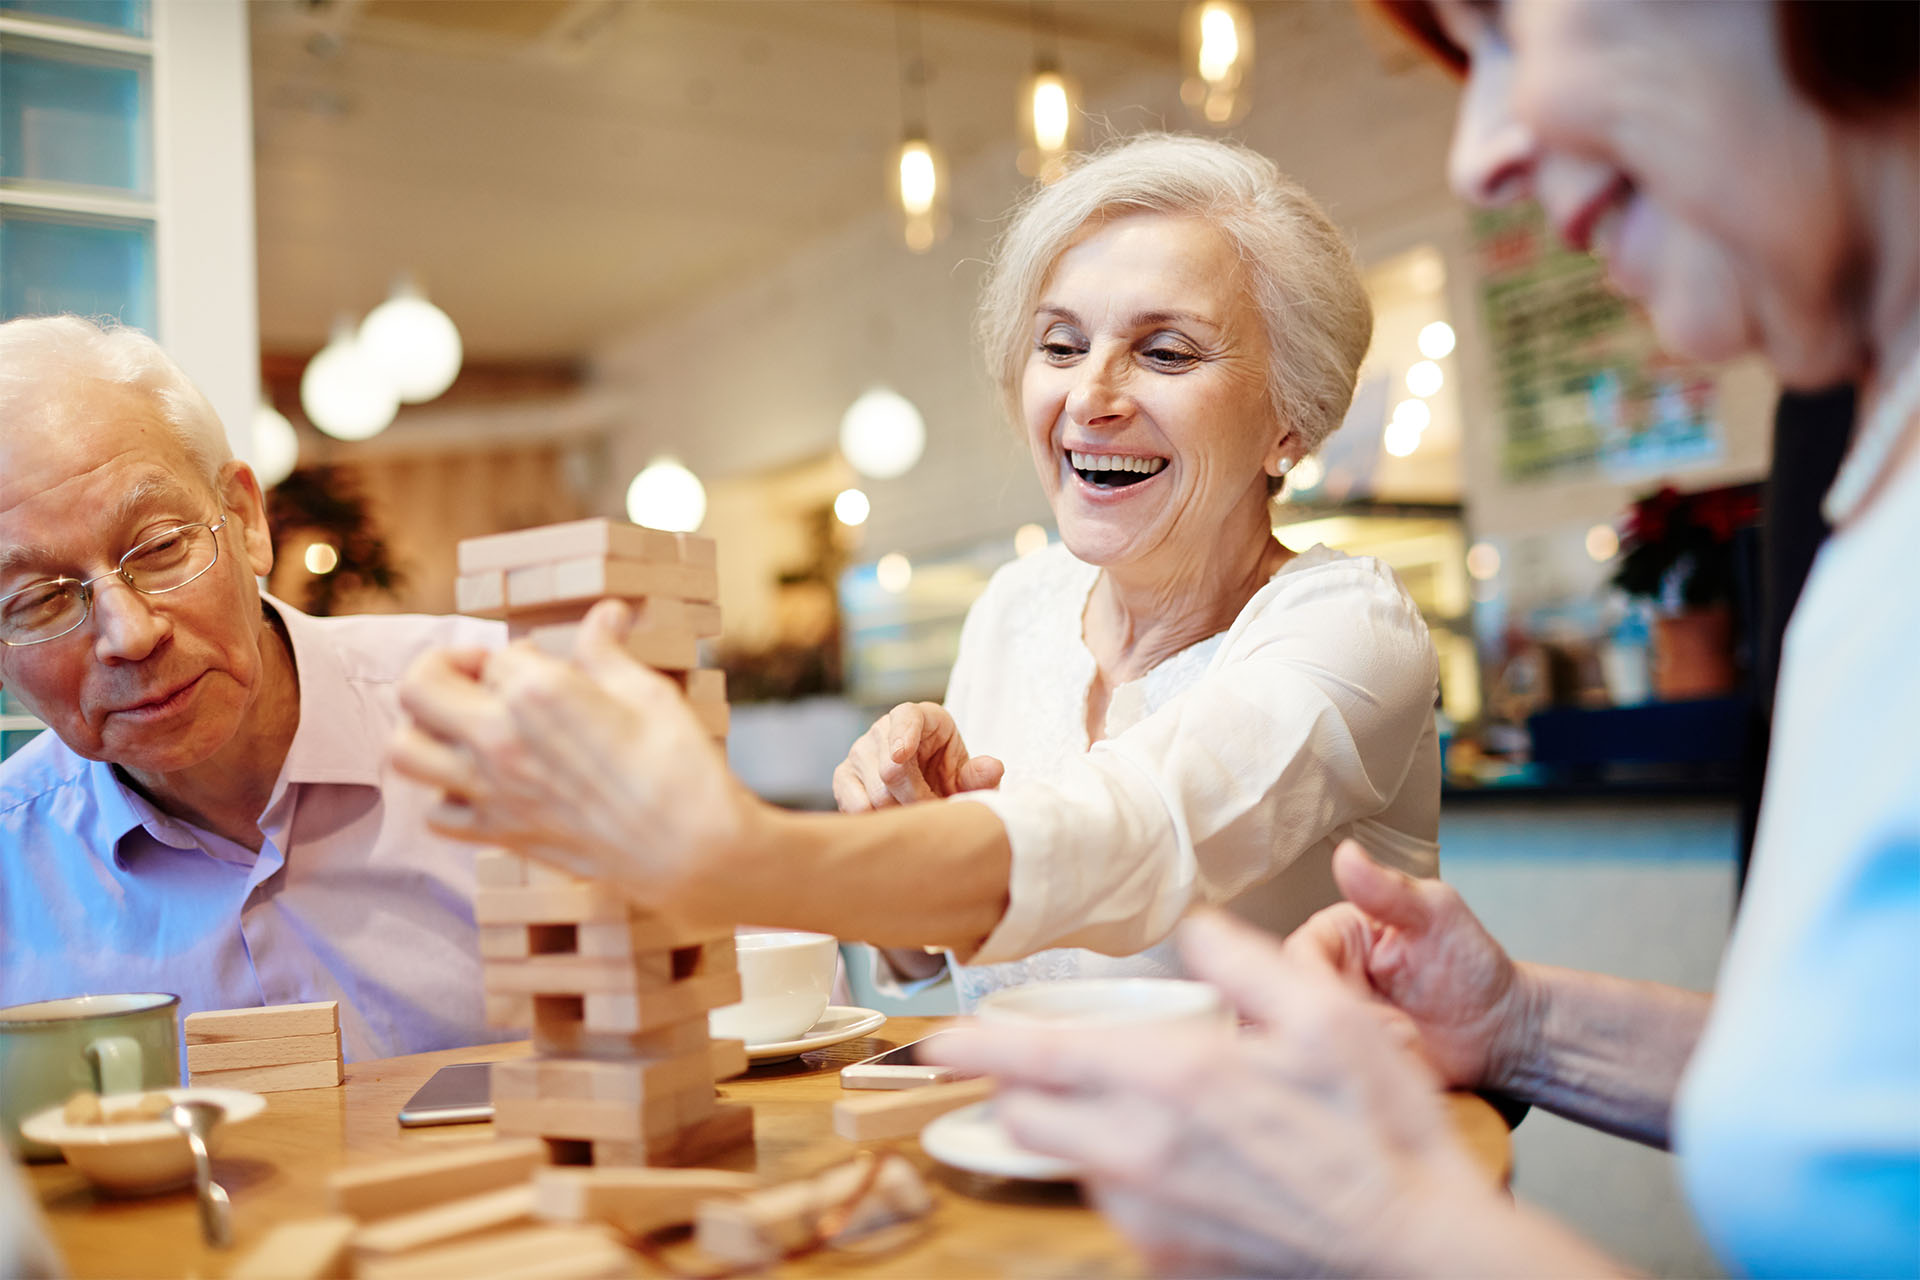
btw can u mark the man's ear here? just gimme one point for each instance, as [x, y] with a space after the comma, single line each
[240, 495]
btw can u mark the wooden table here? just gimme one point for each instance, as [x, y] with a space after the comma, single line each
[275, 1169]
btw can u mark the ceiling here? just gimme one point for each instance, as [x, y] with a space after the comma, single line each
[555, 170]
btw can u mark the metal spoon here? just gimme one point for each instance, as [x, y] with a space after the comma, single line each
[195, 1120]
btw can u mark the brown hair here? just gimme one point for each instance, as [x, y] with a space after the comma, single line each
[1854, 59]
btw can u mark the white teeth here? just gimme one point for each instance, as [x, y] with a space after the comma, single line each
[1114, 462]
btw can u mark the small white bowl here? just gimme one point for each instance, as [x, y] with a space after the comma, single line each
[141, 1157]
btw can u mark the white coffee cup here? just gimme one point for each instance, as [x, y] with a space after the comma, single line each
[1161, 1003]
[786, 980]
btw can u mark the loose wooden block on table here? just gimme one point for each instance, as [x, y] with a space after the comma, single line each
[760, 1227]
[440, 1223]
[634, 1199]
[535, 1253]
[312, 1249]
[274, 1051]
[213, 1026]
[391, 1187]
[575, 539]
[323, 1074]
[903, 1114]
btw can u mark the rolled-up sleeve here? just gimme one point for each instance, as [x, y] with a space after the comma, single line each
[1308, 719]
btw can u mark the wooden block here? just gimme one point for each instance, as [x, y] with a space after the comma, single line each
[550, 904]
[634, 1200]
[703, 619]
[585, 580]
[729, 1058]
[562, 975]
[375, 1191]
[571, 540]
[276, 1051]
[648, 1010]
[498, 869]
[481, 594]
[704, 684]
[214, 1026]
[903, 1113]
[729, 1127]
[505, 942]
[310, 1249]
[603, 1119]
[592, 1079]
[512, 1013]
[759, 1228]
[587, 1252]
[714, 717]
[644, 933]
[443, 1222]
[560, 1030]
[322, 1074]
[695, 549]
[671, 649]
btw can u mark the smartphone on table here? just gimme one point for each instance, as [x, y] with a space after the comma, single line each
[459, 1094]
[897, 1069]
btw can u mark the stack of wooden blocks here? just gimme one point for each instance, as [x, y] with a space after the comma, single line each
[617, 998]
[265, 1050]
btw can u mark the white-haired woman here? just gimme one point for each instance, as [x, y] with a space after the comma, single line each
[1181, 706]
[1186, 710]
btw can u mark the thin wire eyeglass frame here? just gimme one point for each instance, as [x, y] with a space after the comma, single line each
[85, 589]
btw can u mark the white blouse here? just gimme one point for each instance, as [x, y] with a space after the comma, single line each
[1228, 773]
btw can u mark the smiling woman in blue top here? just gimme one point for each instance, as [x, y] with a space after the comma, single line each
[1168, 707]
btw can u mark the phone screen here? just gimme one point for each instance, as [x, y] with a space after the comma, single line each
[459, 1094]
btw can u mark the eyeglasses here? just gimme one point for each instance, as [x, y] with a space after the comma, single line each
[165, 562]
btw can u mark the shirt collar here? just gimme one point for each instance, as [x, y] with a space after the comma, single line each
[332, 745]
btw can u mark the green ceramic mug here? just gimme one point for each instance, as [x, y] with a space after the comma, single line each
[52, 1049]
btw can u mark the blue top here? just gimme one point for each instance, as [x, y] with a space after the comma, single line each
[1798, 1123]
[349, 898]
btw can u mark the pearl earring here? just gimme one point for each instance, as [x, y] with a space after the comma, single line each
[1281, 467]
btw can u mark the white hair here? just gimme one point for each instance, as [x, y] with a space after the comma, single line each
[44, 360]
[1300, 270]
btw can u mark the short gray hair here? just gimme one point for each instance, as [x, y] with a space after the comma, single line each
[1305, 283]
[43, 358]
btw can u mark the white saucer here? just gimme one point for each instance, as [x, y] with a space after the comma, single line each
[839, 1023]
[972, 1139]
[139, 1157]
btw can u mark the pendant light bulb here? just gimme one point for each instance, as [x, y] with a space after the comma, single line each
[1052, 112]
[919, 178]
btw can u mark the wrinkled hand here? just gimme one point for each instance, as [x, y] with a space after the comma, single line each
[595, 766]
[1304, 1146]
[912, 753]
[1414, 944]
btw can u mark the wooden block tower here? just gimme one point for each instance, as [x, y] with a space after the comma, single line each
[617, 997]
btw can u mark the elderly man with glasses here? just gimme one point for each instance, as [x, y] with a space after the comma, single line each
[210, 813]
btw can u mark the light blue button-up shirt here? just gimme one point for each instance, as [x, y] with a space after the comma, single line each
[350, 898]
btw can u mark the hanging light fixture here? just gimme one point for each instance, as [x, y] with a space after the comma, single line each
[414, 342]
[344, 393]
[919, 164]
[1219, 44]
[1047, 106]
[665, 495]
[882, 434]
[275, 448]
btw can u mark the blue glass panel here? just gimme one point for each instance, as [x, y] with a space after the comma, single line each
[129, 16]
[95, 269]
[76, 122]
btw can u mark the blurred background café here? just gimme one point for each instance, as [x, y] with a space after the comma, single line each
[451, 267]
